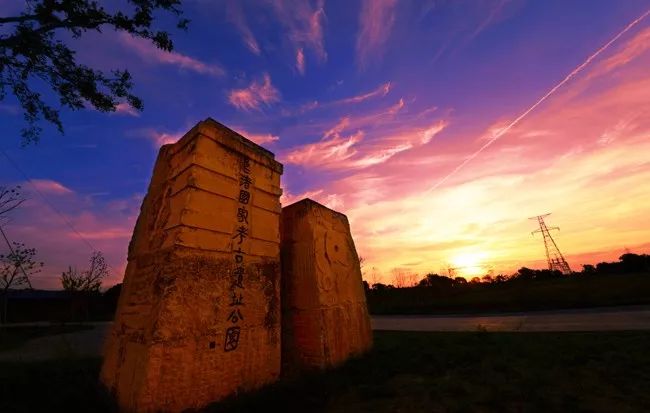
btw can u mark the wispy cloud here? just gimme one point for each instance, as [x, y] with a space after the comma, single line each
[628, 52]
[159, 139]
[376, 22]
[336, 151]
[300, 61]
[330, 153]
[432, 131]
[126, 109]
[149, 53]
[575, 72]
[381, 91]
[81, 221]
[303, 21]
[255, 95]
[237, 17]
[258, 138]
[48, 186]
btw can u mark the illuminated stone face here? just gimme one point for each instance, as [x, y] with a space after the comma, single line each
[324, 314]
[199, 314]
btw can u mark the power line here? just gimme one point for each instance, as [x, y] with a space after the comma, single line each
[554, 257]
[20, 265]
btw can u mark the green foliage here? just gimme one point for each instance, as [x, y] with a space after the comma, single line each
[31, 51]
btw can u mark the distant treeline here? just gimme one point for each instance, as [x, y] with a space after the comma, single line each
[61, 306]
[608, 283]
[627, 264]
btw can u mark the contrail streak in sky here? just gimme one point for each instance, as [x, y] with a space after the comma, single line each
[571, 75]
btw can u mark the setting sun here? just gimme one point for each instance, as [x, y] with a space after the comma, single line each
[470, 264]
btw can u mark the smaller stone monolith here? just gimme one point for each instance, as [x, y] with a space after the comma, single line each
[325, 318]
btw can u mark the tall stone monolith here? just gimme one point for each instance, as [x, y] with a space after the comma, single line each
[198, 318]
[324, 313]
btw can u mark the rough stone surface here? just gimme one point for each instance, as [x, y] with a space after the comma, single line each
[325, 318]
[199, 314]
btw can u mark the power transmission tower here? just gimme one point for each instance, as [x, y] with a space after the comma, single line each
[554, 257]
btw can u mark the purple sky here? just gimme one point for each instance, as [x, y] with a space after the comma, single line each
[377, 109]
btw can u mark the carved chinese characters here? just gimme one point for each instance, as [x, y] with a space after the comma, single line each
[199, 313]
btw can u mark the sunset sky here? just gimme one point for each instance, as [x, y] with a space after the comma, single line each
[438, 127]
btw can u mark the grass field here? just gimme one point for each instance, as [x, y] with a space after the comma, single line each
[526, 295]
[408, 372]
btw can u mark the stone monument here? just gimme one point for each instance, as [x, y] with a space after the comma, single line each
[325, 318]
[198, 318]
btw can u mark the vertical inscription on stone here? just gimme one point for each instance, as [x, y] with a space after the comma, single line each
[202, 279]
[241, 233]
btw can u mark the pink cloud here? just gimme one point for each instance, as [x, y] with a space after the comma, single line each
[330, 153]
[381, 91]
[335, 151]
[300, 61]
[628, 52]
[162, 138]
[126, 109]
[288, 198]
[435, 129]
[48, 186]
[376, 22]
[255, 95]
[332, 201]
[303, 21]
[237, 17]
[585, 141]
[258, 138]
[80, 226]
[150, 53]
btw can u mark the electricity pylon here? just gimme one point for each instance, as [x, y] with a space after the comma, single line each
[554, 257]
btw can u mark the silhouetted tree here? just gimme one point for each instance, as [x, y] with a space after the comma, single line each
[501, 278]
[10, 199]
[32, 52]
[588, 269]
[382, 287]
[15, 270]
[399, 277]
[435, 280]
[634, 262]
[89, 280]
[86, 284]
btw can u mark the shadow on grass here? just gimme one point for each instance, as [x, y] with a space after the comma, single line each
[407, 372]
[14, 337]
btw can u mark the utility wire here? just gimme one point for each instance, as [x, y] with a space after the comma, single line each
[52, 207]
[20, 265]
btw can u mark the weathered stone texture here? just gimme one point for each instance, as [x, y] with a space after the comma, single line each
[324, 314]
[168, 349]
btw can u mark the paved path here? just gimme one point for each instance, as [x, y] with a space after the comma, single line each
[89, 343]
[594, 319]
[83, 343]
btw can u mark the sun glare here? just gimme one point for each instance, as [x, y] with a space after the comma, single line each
[470, 264]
